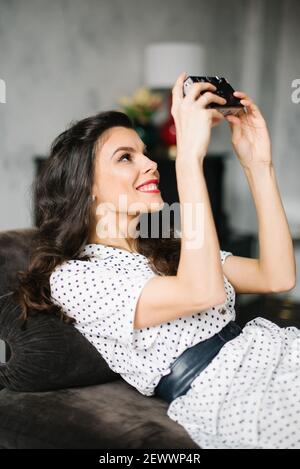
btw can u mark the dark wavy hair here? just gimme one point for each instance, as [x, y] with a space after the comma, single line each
[62, 195]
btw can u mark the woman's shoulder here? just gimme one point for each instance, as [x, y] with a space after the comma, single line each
[71, 266]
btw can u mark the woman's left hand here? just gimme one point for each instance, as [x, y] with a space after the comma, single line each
[249, 134]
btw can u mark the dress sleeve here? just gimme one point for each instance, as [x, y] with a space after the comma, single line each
[102, 302]
[224, 254]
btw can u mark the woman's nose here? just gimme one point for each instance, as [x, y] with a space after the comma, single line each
[150, 165]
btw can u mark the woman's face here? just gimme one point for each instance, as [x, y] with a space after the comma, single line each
[118, 172]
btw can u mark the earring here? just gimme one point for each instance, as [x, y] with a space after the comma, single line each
[94, 198]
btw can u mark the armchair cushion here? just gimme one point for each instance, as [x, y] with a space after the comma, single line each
[47, 354]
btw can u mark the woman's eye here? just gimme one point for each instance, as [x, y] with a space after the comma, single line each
[127, 155]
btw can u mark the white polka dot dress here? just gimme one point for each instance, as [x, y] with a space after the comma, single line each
[101, 294]
[247, 397]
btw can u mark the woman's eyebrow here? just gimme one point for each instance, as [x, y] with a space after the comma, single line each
[127, 149]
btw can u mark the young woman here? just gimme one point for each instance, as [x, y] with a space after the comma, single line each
[161, 311]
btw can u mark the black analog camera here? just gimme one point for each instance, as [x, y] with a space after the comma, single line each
[224, 89]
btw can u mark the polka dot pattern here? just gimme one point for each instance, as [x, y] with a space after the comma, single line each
[101, 294]
[249, 395]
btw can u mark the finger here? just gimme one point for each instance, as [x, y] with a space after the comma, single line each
[240, 94]
[246, 100]
[208, 98]
[177, 90]
[250, 109]
[216, 121]
[235, 127]
[215, 114]
[196, 89]
[250, 106]
[230, 125]
[233, 119]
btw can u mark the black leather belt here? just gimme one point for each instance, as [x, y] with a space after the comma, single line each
[192, 361]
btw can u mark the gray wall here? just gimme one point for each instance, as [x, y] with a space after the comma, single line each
[66, 59]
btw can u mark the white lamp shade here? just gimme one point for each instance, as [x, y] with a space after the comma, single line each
[164, 61]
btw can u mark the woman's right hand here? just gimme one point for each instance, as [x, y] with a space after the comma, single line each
[193, 121]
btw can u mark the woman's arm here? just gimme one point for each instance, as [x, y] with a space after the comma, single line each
[198, 284]
[275, 270]
[199, 262]
[276, 253]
